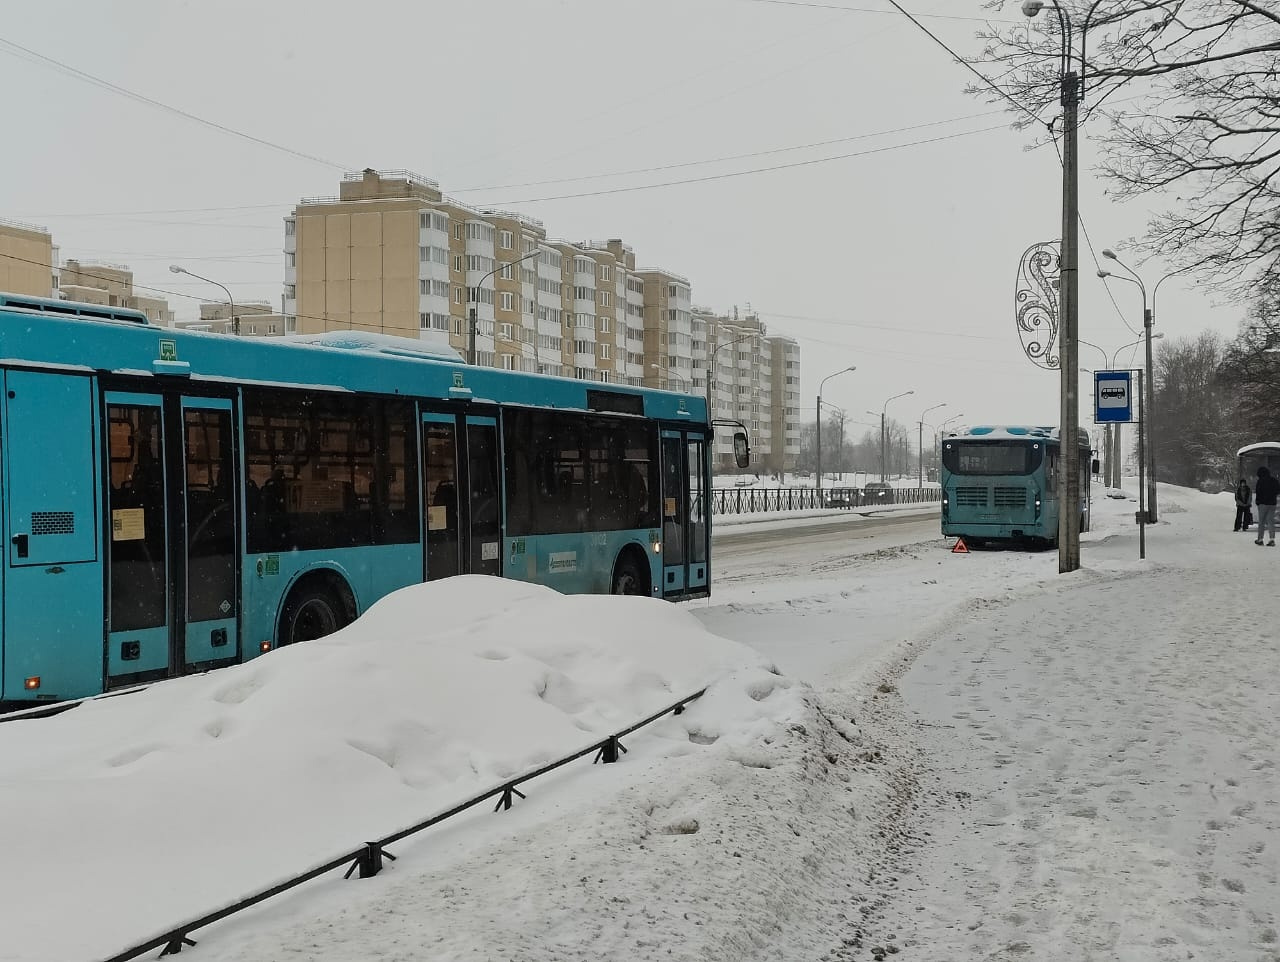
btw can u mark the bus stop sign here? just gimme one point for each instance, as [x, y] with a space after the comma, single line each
[1112, 396]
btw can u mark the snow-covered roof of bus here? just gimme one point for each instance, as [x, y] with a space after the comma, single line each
[431, 345]
[1008, 432]
[1259, 446]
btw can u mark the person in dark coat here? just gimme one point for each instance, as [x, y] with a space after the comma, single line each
[1264, 494]
[1244, 497]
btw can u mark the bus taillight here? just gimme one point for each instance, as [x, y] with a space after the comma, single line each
[32, 683]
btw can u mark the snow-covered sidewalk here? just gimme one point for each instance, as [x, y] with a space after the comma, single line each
[1102, 760]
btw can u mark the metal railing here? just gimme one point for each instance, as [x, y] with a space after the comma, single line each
[745, 500]
[368, 857]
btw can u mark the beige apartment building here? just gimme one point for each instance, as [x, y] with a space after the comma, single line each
[28, 260]
[392, 253]
[256, 319]
[110, 285]
[754, 379]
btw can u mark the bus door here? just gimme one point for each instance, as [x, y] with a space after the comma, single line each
[461, 494]
[440, 487]
[173, 599]
[684, 508]
[52, 582]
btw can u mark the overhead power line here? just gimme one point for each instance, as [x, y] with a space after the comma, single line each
[843, 9]
[18, 50]
[754, 170]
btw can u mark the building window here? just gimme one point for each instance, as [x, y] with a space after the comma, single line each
[508, 274]
[604, 298]
[457, 295]
[604, 352]
[290, 226]
[604, 324]
[507, 240]
[290, 259]
[604, 272]
[508, 362]
[290, 291]
[504, 331]
[457, 262]
[508, 301]
[457, 232]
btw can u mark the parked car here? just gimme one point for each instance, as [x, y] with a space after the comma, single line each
[840, 497]
[877, 491]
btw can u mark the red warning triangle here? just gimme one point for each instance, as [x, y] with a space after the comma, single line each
[961, 547]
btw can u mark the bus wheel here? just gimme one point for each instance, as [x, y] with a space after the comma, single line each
[629, 578]
[312, 612]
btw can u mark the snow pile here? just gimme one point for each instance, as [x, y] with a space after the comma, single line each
[213, 786]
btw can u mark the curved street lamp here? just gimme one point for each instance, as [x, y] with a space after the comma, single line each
[821, 385]
[883, 412]
[671, 374]
[235, 320]
[471, 337]
[920, 443]
[711, 364]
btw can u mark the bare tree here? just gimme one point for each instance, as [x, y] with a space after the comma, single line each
[1196, 434]
[1250, 373]
[1190, 96]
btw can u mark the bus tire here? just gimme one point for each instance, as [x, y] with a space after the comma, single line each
[630, 575]
[316, 607]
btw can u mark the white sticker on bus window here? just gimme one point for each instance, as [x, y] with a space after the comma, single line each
[562, 561]
[437, 517]
[489, 551]
[128, 524]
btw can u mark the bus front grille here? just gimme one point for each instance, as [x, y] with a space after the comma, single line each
[1011, 497]
[971, 497]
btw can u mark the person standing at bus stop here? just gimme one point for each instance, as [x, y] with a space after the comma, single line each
[1243, 498]
[1264, 493]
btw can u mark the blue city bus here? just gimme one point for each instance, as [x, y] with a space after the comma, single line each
[1000, 484]
[177, 501]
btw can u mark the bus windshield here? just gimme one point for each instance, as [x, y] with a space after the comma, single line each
[992, 457]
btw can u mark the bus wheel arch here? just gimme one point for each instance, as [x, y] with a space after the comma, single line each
[631, 572]
[319, 603]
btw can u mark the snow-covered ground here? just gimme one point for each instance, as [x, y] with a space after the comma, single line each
[903, 751]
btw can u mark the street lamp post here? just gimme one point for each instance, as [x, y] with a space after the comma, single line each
[920, 443]
[884, 475]
[1149, 322]
[235, 320]
[711, 363]
[471, 301]
[821, 385]
[1072, 90]
[671, 374]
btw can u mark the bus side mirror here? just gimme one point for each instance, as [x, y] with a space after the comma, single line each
[741, 450]
[1095, 466]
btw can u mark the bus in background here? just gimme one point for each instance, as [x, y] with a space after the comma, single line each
[177, 501]
[1000, 484]
[1253, 456]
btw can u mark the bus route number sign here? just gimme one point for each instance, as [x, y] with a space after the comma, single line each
[1112, 396]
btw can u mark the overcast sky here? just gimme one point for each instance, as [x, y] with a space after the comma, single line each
[902, 262]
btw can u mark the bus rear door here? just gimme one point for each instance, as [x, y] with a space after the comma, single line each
[52, 640]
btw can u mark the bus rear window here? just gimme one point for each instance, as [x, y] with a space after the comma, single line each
[992, 457]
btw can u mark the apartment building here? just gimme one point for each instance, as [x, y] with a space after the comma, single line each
[392, 253]
[754, 378]
[111, 285]
[28, 260]
[255, 319]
